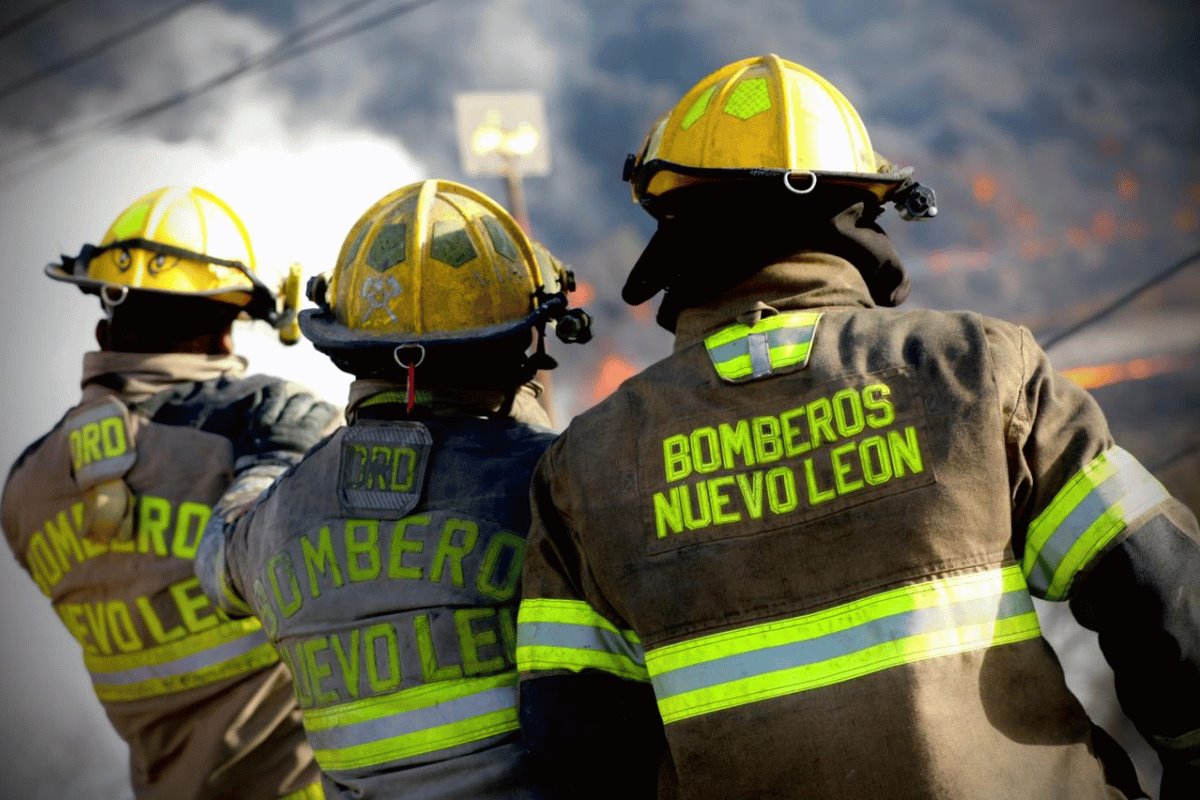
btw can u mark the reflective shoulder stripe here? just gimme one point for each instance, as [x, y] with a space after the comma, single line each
[311, 792]
[412, 723]
[569, 634]
[1093, 508]
[228, 650]
[746, 352]
[901, 626]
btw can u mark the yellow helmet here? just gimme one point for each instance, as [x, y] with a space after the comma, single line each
[755, 118]
[436, 263]
[175, 241]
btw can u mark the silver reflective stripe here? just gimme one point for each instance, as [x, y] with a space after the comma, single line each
[187, 664]
[1054, 551]
[728, 351]
[446, 712]
[578, 637]
[760, 354]
[845, 642]
[1099, 502]
[791, 335]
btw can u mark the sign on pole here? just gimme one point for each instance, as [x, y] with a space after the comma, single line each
[502, 133]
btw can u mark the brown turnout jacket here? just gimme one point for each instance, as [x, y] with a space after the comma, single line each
[204, 703]
[814, 530]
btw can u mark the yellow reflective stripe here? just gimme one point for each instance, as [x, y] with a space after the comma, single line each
[413, 744]
[430, 694]
[896, 627]
[554, 634]
[795, 319]
[422, 720]
[262, 656]
[740, 351]
[311, 792]
[1093, 508]
[412, 722]
[173, 651]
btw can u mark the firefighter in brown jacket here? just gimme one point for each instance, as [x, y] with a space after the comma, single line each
[796, 557]
[105, 511]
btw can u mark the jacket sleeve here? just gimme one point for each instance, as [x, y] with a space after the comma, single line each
[587, 709]
[1093, 527]
[283, 424]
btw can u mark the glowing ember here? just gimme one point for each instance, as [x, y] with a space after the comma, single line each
[984, 188]
[1127, 186]
[1093, 377]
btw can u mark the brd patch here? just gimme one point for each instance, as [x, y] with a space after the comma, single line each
[101, 443]
[382, 470]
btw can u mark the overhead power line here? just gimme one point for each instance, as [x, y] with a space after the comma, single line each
[93, 50]
[1121, 301]
[1178, 455]
[298, 42]
[34, 14]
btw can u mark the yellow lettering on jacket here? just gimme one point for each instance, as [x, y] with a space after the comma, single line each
[368, 660]
[809, 455]
[61, 543]
[96, 441]
[107, 627]
[387, 549]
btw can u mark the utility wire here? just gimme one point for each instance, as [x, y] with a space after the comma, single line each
[14, 25]
[95, 49]
[272, 58]
[1100, 314]
[291, 46]
[1176, 456]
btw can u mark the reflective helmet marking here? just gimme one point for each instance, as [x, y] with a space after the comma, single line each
[451, 243]
[696, 111]
[388, 248]
[749, 98]
[379, 291]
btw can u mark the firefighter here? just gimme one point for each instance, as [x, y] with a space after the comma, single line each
[796, 557]
[105, 512]
[385, 567]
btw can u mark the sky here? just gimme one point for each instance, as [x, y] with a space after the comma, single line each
[1060, 137]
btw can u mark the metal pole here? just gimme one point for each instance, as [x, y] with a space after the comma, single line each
[516, 204]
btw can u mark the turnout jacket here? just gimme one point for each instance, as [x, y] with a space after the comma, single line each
[106, 512]
[386, 568]
[812, 534]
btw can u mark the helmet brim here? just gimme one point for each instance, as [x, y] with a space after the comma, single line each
[257, 302]
[330, 336]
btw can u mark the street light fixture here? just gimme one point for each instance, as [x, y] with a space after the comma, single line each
[501, 134]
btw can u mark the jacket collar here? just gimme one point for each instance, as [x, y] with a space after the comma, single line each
[806, 280]
[371, 393]
[134, 377]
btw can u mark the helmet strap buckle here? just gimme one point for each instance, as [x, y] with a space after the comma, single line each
[787, 182]
[111, 297]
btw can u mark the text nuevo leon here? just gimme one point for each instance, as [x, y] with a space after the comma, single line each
[827, 448]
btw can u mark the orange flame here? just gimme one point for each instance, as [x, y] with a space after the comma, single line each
[613, 371]
[1186, 220]
[954, 259]
[1093, 377]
